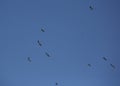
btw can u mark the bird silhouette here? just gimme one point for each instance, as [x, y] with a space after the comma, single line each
[56, 83]
[40, 44]
[91, 7]
[89, 65]
[29, 59]
[113, 66]
[104, 58]
[42, 29]
[47, 54]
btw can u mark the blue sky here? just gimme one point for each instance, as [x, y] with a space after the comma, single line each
[74, 37]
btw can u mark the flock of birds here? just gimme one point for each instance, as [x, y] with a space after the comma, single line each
[40, 44]
[105, 59]
[48, 55]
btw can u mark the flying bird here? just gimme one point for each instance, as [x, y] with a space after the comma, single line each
[113, 66]
[29, 59]
[104, 58]
[89, 65]
[56, 83]
[91, 7]
[47, 54]
[42, 30]
[39, 43]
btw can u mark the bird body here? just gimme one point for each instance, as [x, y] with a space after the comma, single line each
[42, 30]
[91, 7]
[47, 54]
[89, 65]
[104, 58]
[39, 43]
[29, 59]
[113, 66]
[56, 83]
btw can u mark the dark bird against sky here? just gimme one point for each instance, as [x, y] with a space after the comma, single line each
[39, 43]
[91, 7]
[89, 65]
[104, 58]
[113, 66]
[42, 29]
[29, 59]
[56, 83]
[47, 54]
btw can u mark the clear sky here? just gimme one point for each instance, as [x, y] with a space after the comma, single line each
[74, 36]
